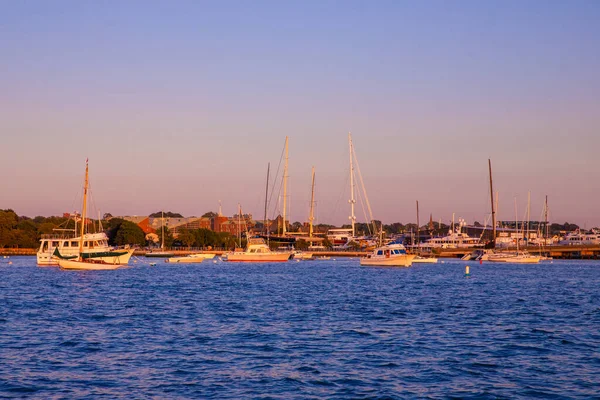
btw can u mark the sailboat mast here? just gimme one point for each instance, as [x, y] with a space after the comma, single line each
[285, 177]
[418, 230]
[517, 224]
[83, 211]
[266, 197]
[311, 216]
[492, 202]
[546, 220]
[239, 224]
[162, 230]
[528, 217]
[351, 201]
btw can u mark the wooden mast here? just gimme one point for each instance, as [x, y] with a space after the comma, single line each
[351, 201]
[546, 221]
[311, 216]
[493, 244]
[285, 176]
[83, 211]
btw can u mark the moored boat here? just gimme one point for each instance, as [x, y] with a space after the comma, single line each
[85, 261]
[190, 259]
[257, 251]
[393, 254]
[66, 246]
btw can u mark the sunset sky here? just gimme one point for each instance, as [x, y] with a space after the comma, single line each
[180, 104]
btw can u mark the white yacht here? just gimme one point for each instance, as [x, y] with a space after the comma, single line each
[95, 247]
[581, 238]
[393, 255]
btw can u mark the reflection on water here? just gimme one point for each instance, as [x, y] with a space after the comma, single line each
[327, 329]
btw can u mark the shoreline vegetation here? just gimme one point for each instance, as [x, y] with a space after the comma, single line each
[21, 234]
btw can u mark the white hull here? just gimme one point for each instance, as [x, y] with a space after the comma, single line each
[425, 260]
[404, 260]
[303, 256]
[84, 265]
[266, 257]
[515, 259]
[44, 259]
[187, 259]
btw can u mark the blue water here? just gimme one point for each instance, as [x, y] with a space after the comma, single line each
[311, 329]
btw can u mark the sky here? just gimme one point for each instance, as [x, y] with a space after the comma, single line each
[181, 104]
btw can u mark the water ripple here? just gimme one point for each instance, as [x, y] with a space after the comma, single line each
[301, 330]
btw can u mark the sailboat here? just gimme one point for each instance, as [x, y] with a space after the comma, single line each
[518, 257]
[283, 237]
[82, 262]
[161, 253]
[257, 250]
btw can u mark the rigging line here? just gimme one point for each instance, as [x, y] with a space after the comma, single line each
[362, 184]
[345, 186]
[275, 177]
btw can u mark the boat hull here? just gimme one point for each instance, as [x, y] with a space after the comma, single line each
[425, 260]
[120, 257]
[245, 257]
[185, 260]
[86, 265]
[404, 260]
[159, 255]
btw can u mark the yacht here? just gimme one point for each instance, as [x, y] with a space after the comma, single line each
[581, 238]
[393, 255]
[257, 250]
[95, 247]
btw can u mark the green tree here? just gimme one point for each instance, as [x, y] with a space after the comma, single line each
[187, 238]
[129, 233]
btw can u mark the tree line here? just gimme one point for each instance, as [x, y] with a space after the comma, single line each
[25, 232]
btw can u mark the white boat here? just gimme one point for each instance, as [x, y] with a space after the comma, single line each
[95, 247]
[82, 260]
[257, 251]
[519, 257]
[452, 241]
[192, 258]
[425, 260]
[302, 255]
[581, 238]
[161, 253]
[393, 254]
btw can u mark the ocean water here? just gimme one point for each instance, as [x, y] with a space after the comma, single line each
[310, 329]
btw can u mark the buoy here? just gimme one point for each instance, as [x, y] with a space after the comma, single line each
[467, 273]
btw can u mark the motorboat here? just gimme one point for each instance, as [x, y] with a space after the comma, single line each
[393, 254]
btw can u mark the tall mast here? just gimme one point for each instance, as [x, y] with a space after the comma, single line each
[351, 201]
[266, 197]
[517, 224]
[162, 230]
[285, 177]
[418, 230]
[546, 220]
[492, 202]
[239, 224]
[528, 216]
[83, 211]
[311, 216]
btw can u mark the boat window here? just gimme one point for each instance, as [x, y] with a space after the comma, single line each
[74, 244]
[379, 252]
[65, 244]
[44, 246]
[85, 244]
[54, 244]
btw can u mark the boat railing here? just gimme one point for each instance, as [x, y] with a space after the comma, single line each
[57, 236]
